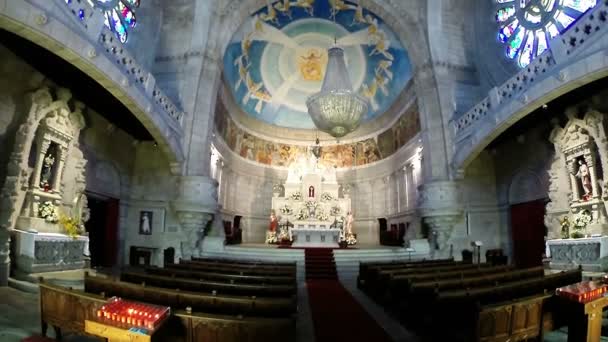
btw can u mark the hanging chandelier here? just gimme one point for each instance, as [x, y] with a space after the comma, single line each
[336, 109]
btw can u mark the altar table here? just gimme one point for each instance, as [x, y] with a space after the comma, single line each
[315, 237]
[590, 253]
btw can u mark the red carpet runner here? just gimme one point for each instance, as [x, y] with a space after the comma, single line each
[336, 315]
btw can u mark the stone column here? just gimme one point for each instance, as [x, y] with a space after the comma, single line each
[61, 155]
[41, 154]
[591, 165]
[440, 206]
[573, 181]
[196, 205]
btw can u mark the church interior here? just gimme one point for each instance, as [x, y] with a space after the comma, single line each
[303, 170]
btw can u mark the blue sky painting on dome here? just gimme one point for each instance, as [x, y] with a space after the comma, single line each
[277, 58]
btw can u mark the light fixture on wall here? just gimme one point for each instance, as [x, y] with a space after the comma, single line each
[336, 109]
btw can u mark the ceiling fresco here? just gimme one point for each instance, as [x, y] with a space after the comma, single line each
[277, 58]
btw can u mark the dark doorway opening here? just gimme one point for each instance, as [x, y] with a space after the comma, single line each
[103, 230]
[528, 233]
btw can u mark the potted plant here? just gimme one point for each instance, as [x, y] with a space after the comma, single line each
[284, 238]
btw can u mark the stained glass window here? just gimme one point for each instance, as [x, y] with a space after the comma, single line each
[526, 26]
[119, 16]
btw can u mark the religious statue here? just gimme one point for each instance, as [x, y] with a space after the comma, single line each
[311, 191]
[274, 221]
[47, 169]
[583, 174]
[349, 223]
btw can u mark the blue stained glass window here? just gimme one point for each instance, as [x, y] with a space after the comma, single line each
[119, 16]
[526, 26]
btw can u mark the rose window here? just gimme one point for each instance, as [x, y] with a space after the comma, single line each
[526, 26]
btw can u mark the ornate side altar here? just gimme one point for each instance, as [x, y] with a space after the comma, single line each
[578, 192]
[586, 252]
[312, 205]
[43, 203]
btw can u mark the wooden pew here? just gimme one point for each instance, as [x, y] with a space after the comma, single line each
[389, 280]
[67, 310]
[368, 274]
[221, 277]
[208, 303]
[220, 288]
[365, 267]
[476, 280]
[246, 261]
[233, 269]
[245, 266]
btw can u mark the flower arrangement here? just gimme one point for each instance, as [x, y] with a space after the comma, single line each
[284, 235]
[271, 237]
[579, 223]
[335, 211]
[296, 196]
[311, 204]
[351, 239]
[321, 215]
[302, 214]
[48, 212]
[326, 197]
[72, 226]
[286, 210]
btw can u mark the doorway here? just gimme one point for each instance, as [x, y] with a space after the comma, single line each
[103, 230]
[528, 233]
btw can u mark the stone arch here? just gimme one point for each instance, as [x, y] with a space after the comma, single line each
[60, 34]
[568, 77]
[526, 185]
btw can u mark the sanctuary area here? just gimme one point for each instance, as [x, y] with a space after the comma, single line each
[303, 170]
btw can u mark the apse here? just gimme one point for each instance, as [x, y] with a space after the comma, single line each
[277, 59]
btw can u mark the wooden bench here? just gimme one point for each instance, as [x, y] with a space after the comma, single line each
[208, 303]
[233, 269]
[245, 266]
[246, 261]
[222, 277]
[365, 267]
[67, 310]
[274, 290]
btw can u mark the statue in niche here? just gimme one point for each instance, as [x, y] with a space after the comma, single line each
[583, 174]
[311, 191]
[47, 171]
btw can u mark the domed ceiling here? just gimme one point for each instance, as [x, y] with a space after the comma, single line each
[277, 58]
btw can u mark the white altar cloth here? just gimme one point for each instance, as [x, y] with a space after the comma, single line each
[315, 237]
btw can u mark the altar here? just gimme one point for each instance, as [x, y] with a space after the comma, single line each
[315, 237]
[310, 208]
[589, 253]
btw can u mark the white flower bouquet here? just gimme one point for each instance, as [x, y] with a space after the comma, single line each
[335, 211]
[48, 212]
[321, 215]
[302, 214]
[271, 237]
[296, 196]
[284, 235]
[326, 197]
[311, 204]
[351, 239]
[286, 210]
[581, 220]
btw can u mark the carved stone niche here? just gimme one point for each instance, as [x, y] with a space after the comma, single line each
[581, 148]
[49, 136]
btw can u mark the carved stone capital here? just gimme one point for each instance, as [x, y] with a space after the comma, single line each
[196, 194]
[440, 199]
[193, 228]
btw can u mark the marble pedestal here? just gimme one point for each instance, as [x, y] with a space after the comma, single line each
[315, 237]
[46, 252]
[590, 253]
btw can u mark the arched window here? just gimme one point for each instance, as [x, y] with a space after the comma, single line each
[119, 15]
[526, 26]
